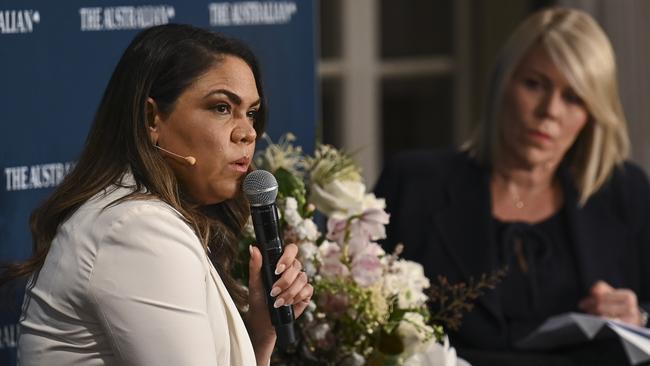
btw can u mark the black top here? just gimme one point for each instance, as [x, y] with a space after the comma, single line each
[542, 276]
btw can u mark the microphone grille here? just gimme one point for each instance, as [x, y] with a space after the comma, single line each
[260, 188]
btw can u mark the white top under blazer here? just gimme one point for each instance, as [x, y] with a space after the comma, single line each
[130, 284]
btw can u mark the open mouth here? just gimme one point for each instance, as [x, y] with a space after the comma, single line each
[241, 165]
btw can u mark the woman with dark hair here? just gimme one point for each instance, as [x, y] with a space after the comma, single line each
[133, 252]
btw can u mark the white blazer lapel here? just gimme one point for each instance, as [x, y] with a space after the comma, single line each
[241, 349]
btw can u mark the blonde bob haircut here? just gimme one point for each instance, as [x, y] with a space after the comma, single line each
[582, 52]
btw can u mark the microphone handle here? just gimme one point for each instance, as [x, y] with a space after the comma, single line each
[266, 223]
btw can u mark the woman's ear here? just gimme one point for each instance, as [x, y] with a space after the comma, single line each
[152, 120]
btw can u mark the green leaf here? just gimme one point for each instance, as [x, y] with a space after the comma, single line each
[290, 185]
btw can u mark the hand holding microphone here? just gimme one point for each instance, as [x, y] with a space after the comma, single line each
[286, 292]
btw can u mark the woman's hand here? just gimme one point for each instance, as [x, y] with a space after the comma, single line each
[292, 288]
[613, 303]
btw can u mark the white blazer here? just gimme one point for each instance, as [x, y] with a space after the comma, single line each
[130, 285]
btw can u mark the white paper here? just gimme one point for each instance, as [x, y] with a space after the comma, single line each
[574, 328]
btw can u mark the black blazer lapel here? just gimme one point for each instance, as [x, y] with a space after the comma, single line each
[466, 229]
[597, 235]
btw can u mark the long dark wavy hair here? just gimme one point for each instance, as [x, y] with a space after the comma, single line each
[161, 62]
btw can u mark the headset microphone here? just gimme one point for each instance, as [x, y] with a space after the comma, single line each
[188, 159]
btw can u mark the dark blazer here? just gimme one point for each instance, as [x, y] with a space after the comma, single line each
[440, 208]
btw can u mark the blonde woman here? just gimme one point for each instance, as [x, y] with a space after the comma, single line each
[543, 188]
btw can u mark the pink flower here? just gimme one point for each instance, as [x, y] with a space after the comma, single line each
[357, 243]
[375, 249]
[373, 223]
[369, 226]
[366, 269]
[331, 265]
[336, 229]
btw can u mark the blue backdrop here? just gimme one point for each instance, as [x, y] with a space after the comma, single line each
[56, 58]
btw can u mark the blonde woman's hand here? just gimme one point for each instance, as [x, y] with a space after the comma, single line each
[292, 288]
[613, 303]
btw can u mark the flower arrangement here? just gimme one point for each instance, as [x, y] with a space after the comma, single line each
[369, 307]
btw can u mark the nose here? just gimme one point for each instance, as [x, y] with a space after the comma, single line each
[244, 132]
[552, 104]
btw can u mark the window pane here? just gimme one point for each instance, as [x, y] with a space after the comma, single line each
[330, 29]
[330, 111]
[416, 114]
[416, 27]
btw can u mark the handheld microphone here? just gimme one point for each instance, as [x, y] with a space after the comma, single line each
[188, 159]
[261, 189]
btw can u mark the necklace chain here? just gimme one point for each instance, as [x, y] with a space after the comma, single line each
[517, 201]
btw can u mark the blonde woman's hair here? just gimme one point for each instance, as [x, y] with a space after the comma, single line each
[580, 49]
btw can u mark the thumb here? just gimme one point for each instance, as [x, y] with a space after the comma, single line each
[254, 268]
[601, 288]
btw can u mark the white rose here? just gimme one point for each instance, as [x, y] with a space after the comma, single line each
[346, 197]
[434, 353]
[370, 202]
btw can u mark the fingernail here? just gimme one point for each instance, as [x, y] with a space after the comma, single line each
[275, 291]
[279, 302]
[280, 268]
[250, 249]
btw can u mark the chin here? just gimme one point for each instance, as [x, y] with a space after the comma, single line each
[224, 195]
[535, 160]
[530, 156]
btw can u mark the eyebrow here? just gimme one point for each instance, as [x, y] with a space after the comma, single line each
[232, 96]
[536, 73]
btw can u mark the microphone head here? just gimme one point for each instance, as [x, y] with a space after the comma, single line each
[260, 188]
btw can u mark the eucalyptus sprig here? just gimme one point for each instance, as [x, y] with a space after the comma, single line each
[452, 300]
